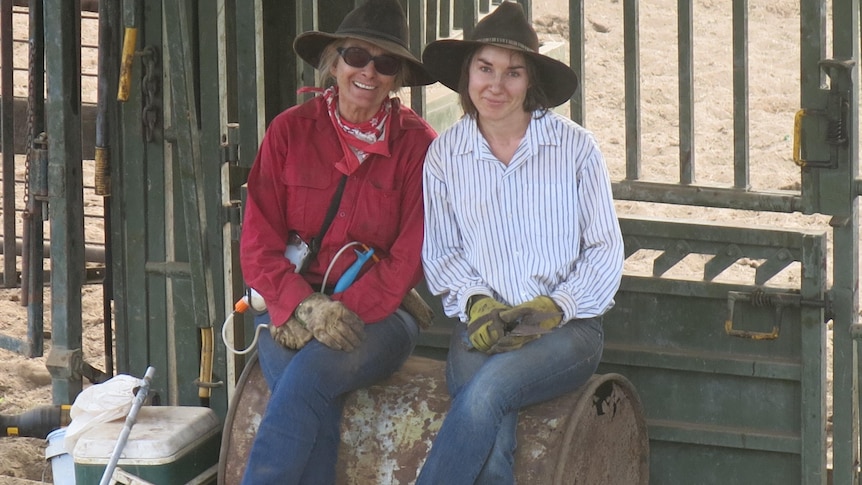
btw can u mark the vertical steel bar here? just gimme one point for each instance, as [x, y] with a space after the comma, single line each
[685, 42]
[685, 24]
[813, 363]
[577, 43]
[446, 22]
[812, 48]
[432, 21]
[528, 8]
[36, 247]
[10, 273]
[65, 187]
[416, 20]
[740, 95]
[469, 16]
[631, 42]
[109, 23]
[306, 19]
[844, 201]
[250, 78]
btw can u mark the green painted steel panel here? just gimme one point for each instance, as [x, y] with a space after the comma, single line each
[718, 401]
[708, 465]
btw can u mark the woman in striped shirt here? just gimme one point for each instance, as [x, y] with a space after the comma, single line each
[521, 241]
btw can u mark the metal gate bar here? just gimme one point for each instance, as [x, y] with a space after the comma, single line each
[65, 193]
[10, 273]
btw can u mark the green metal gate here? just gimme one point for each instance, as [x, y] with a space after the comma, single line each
[732, 375]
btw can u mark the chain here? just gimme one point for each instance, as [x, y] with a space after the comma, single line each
[150, 88]
[31, 101]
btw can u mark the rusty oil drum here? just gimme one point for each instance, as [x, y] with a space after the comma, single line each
[596, 435]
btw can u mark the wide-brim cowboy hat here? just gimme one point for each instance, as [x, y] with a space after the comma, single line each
[379, 22]
[506, 27]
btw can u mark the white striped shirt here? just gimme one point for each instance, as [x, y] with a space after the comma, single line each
[543, 225]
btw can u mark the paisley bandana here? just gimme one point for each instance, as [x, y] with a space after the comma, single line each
[358, 140]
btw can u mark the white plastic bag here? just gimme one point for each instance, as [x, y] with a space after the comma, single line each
[99, 404]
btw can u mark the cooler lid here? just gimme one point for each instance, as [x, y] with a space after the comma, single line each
[160, 433]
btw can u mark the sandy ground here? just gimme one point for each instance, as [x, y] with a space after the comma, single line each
[774, 95]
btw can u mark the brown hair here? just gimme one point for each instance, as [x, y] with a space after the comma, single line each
[329, 59]
[535, 99]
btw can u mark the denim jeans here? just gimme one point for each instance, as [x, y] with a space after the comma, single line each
[476, 443]
[297, 441]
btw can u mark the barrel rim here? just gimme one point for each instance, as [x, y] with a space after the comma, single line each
[585, 394]
[227, 431]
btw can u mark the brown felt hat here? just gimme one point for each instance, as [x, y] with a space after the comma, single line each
[380, 22]
[506, 27]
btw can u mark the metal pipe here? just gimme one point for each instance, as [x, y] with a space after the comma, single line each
[10, 275]
[130, 40]
[92, 254]
[36, 208]
[109, 21]
[127, 428]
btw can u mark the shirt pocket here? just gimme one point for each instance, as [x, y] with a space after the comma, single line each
[377, 217]
[308, 197]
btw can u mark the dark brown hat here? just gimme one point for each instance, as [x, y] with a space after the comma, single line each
[380, 22]
[506, 27]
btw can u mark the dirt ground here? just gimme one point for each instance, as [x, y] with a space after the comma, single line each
[774, 99]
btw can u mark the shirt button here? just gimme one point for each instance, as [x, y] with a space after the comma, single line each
[341, 214]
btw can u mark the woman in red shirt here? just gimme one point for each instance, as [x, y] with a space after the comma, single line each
[357, 141]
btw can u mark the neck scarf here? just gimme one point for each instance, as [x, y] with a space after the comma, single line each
[358, 140]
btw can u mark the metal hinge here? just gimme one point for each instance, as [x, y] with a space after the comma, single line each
[836, 113]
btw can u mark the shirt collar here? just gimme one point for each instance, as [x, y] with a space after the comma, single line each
[540, 132]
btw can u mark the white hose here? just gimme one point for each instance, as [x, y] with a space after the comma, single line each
[231, 349]
[229, 321]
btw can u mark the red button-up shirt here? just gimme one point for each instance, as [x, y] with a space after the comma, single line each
[290, 188]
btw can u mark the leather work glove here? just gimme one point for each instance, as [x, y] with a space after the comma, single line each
[331, 323]
[533, 317]
[485, 327]
[291, 335]
[418, 309]
[527, 322]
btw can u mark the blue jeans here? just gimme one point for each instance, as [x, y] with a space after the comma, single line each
[297, 441]
[476, 443]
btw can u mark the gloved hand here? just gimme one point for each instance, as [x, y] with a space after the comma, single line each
[534, 316]
[527, 322]
[291, 335]
[485, 327]
[331, 323]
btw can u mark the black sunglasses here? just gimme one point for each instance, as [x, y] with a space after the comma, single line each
[359, 57]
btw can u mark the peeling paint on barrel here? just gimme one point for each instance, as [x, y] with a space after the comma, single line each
[385, 434]
[595, 435]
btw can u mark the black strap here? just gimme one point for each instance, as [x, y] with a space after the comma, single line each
[330, 214]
